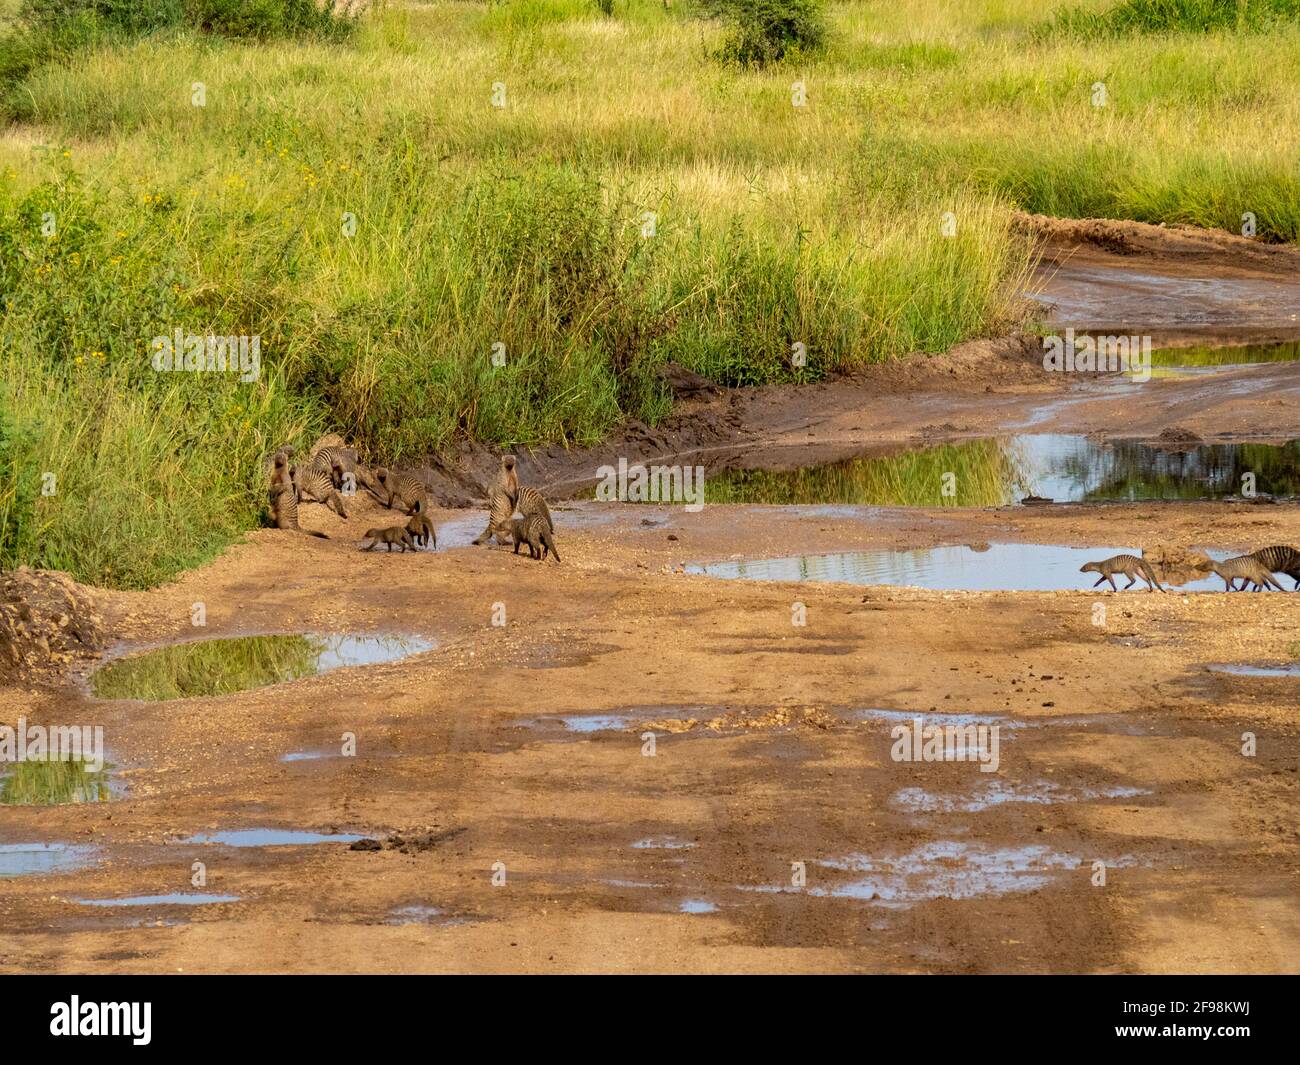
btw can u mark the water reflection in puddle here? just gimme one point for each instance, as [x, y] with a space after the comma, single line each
[59, 781]
[178, 898]
[272, 837]
[997, 567]
[953, 870]
[1291, 669]
[997, 793]
[697, 906]
[218, 667]
[40, 859]
[995, 471]
[667, 843]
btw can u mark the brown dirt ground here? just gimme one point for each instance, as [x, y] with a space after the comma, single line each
[1202, 855]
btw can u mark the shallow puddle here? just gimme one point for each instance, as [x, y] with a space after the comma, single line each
[953, 870]
[998, 793]
[53, 783]
[697, 906]
[1218, 359]
[218, 667]
[996, 471]
[39, 859]
[271, 837]
[666, 843]
[178, 898]
[1290, 669]
[984, 568]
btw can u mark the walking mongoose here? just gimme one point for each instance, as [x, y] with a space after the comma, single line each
[1248, 568]
[399, 488]
[1130, 566]
[395, 534]
[420, 527]
[284, 509]
[535, 531]
[1280, 558]
[531, 502]
[502, 497]
[317, 486]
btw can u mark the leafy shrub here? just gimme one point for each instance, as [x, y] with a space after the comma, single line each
[767, 31]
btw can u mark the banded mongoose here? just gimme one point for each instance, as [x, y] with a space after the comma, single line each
[502, 497]
[1280, 558]
[531, 502]
[338, 463]
[395, 534]
[317, 486]
[420, 527]
[1130, 566]
[535, 531]
[284, 509]
[399, 488]
[1248, 568]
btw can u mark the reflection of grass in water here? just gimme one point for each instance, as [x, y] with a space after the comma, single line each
[1220, 356]
[209, 667]
[985, 475]
[1209, 471]
[51, 783]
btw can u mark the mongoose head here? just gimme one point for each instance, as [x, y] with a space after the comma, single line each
[1208, 566]
[374, 534]
[381, 475]
[1090, 567]
[507, 463]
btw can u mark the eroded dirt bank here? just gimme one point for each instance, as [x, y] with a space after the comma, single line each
[1117, 746]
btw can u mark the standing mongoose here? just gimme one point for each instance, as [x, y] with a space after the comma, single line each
[420, 527]
[395, 534]
[1130, 566]
[1280, 558]
[502, 497]
[284, 509]
[535, 531]
[1248, 568]
[399, 488]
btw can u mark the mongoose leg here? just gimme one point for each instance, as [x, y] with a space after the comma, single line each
[1100, 579]
[1131, 581]
[1112, 583]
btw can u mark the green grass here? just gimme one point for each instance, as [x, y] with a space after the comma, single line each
[521, 225]
[48, 783]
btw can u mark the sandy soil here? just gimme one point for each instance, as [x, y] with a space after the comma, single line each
[1118, 745]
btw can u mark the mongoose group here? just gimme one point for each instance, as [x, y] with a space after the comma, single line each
[334, 469]
[1255, 569]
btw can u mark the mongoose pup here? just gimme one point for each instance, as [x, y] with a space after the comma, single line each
[502, 497]
[395, 534]
[1249, 569]
[1130, 566]
[399, 488]
[420, 527]
[535, 531]
[284, 509]
[1280, 558]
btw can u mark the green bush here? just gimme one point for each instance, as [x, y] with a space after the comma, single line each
[767, 31]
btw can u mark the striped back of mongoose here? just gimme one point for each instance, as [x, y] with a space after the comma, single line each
[535, 531]
[502, 497]
[284, 510]
[1244, 567]
[315, 484]
[531, 502]
[336, 462]
[420, 527]
[1280, 558]
[1131, 566]
[401, 489]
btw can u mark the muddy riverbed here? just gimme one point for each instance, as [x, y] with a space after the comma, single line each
[673, 752]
